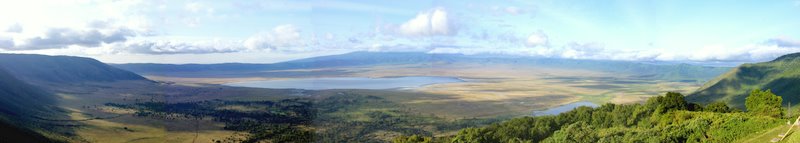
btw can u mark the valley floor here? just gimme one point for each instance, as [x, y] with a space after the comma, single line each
[491, 90]
[124, 112]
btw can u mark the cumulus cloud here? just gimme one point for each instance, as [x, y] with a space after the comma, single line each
[537, 39]
[63, 37]
[435, 22]
[91, 34]
[768, 50]
[283, 36]
[783, 42]
[179, 47]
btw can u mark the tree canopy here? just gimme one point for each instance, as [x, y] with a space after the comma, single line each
[764, 103]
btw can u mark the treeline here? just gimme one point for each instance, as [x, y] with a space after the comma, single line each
[277, 121]
[668, 118]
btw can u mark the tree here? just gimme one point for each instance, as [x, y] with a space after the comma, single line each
[764, 103]
[719, 107]
[670, 102]
[579, 132]
[412, 139]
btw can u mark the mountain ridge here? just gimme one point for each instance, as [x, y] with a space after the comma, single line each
[62, 69]
[780, 76]
[675, 72]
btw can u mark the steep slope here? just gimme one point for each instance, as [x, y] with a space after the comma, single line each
[19, 102]
[675, 72]
[781, 75]
[18, 98]
[61, 69]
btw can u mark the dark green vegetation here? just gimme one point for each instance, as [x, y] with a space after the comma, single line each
[781, 76]
[20, 107]
[22, 100]
[282, 121]
[13, 133]
[337, 118]
[670, 72]
[764, 103]
[662, 119]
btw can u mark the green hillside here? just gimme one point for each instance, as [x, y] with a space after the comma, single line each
[61, 69]
[20, 106]
[667, 118]
[781, 75]
[17, 98]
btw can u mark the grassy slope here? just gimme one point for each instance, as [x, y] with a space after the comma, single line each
[19, 102]
[780, 75]
[17, 98]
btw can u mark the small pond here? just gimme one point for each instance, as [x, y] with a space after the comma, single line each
[563, 108]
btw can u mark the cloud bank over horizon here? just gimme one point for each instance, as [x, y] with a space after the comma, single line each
[266, 31]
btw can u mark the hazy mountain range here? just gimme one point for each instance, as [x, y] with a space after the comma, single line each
[673, 72]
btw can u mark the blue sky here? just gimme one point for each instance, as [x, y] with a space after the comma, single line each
[198, 31]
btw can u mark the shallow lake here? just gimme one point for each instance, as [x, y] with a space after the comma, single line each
[563, 108]
[349, 83]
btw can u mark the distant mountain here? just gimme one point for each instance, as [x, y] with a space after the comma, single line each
[62, 69]
[344, 60]
[781, 75]
[675, 72]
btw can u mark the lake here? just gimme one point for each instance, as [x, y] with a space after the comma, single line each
[349, 83]
[563, 108]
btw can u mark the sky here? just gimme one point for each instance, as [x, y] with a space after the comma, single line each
[268, 31]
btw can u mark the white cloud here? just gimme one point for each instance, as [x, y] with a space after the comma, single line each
[435, 22]
[54, 38]
[783, 42]
[537, 39]
[179, 47]
[282, 36]
[755, 52]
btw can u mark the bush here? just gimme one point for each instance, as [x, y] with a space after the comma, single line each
[764, 103]
[719, 107]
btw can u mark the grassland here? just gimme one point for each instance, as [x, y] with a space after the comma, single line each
[487, 96]
[493, 90]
